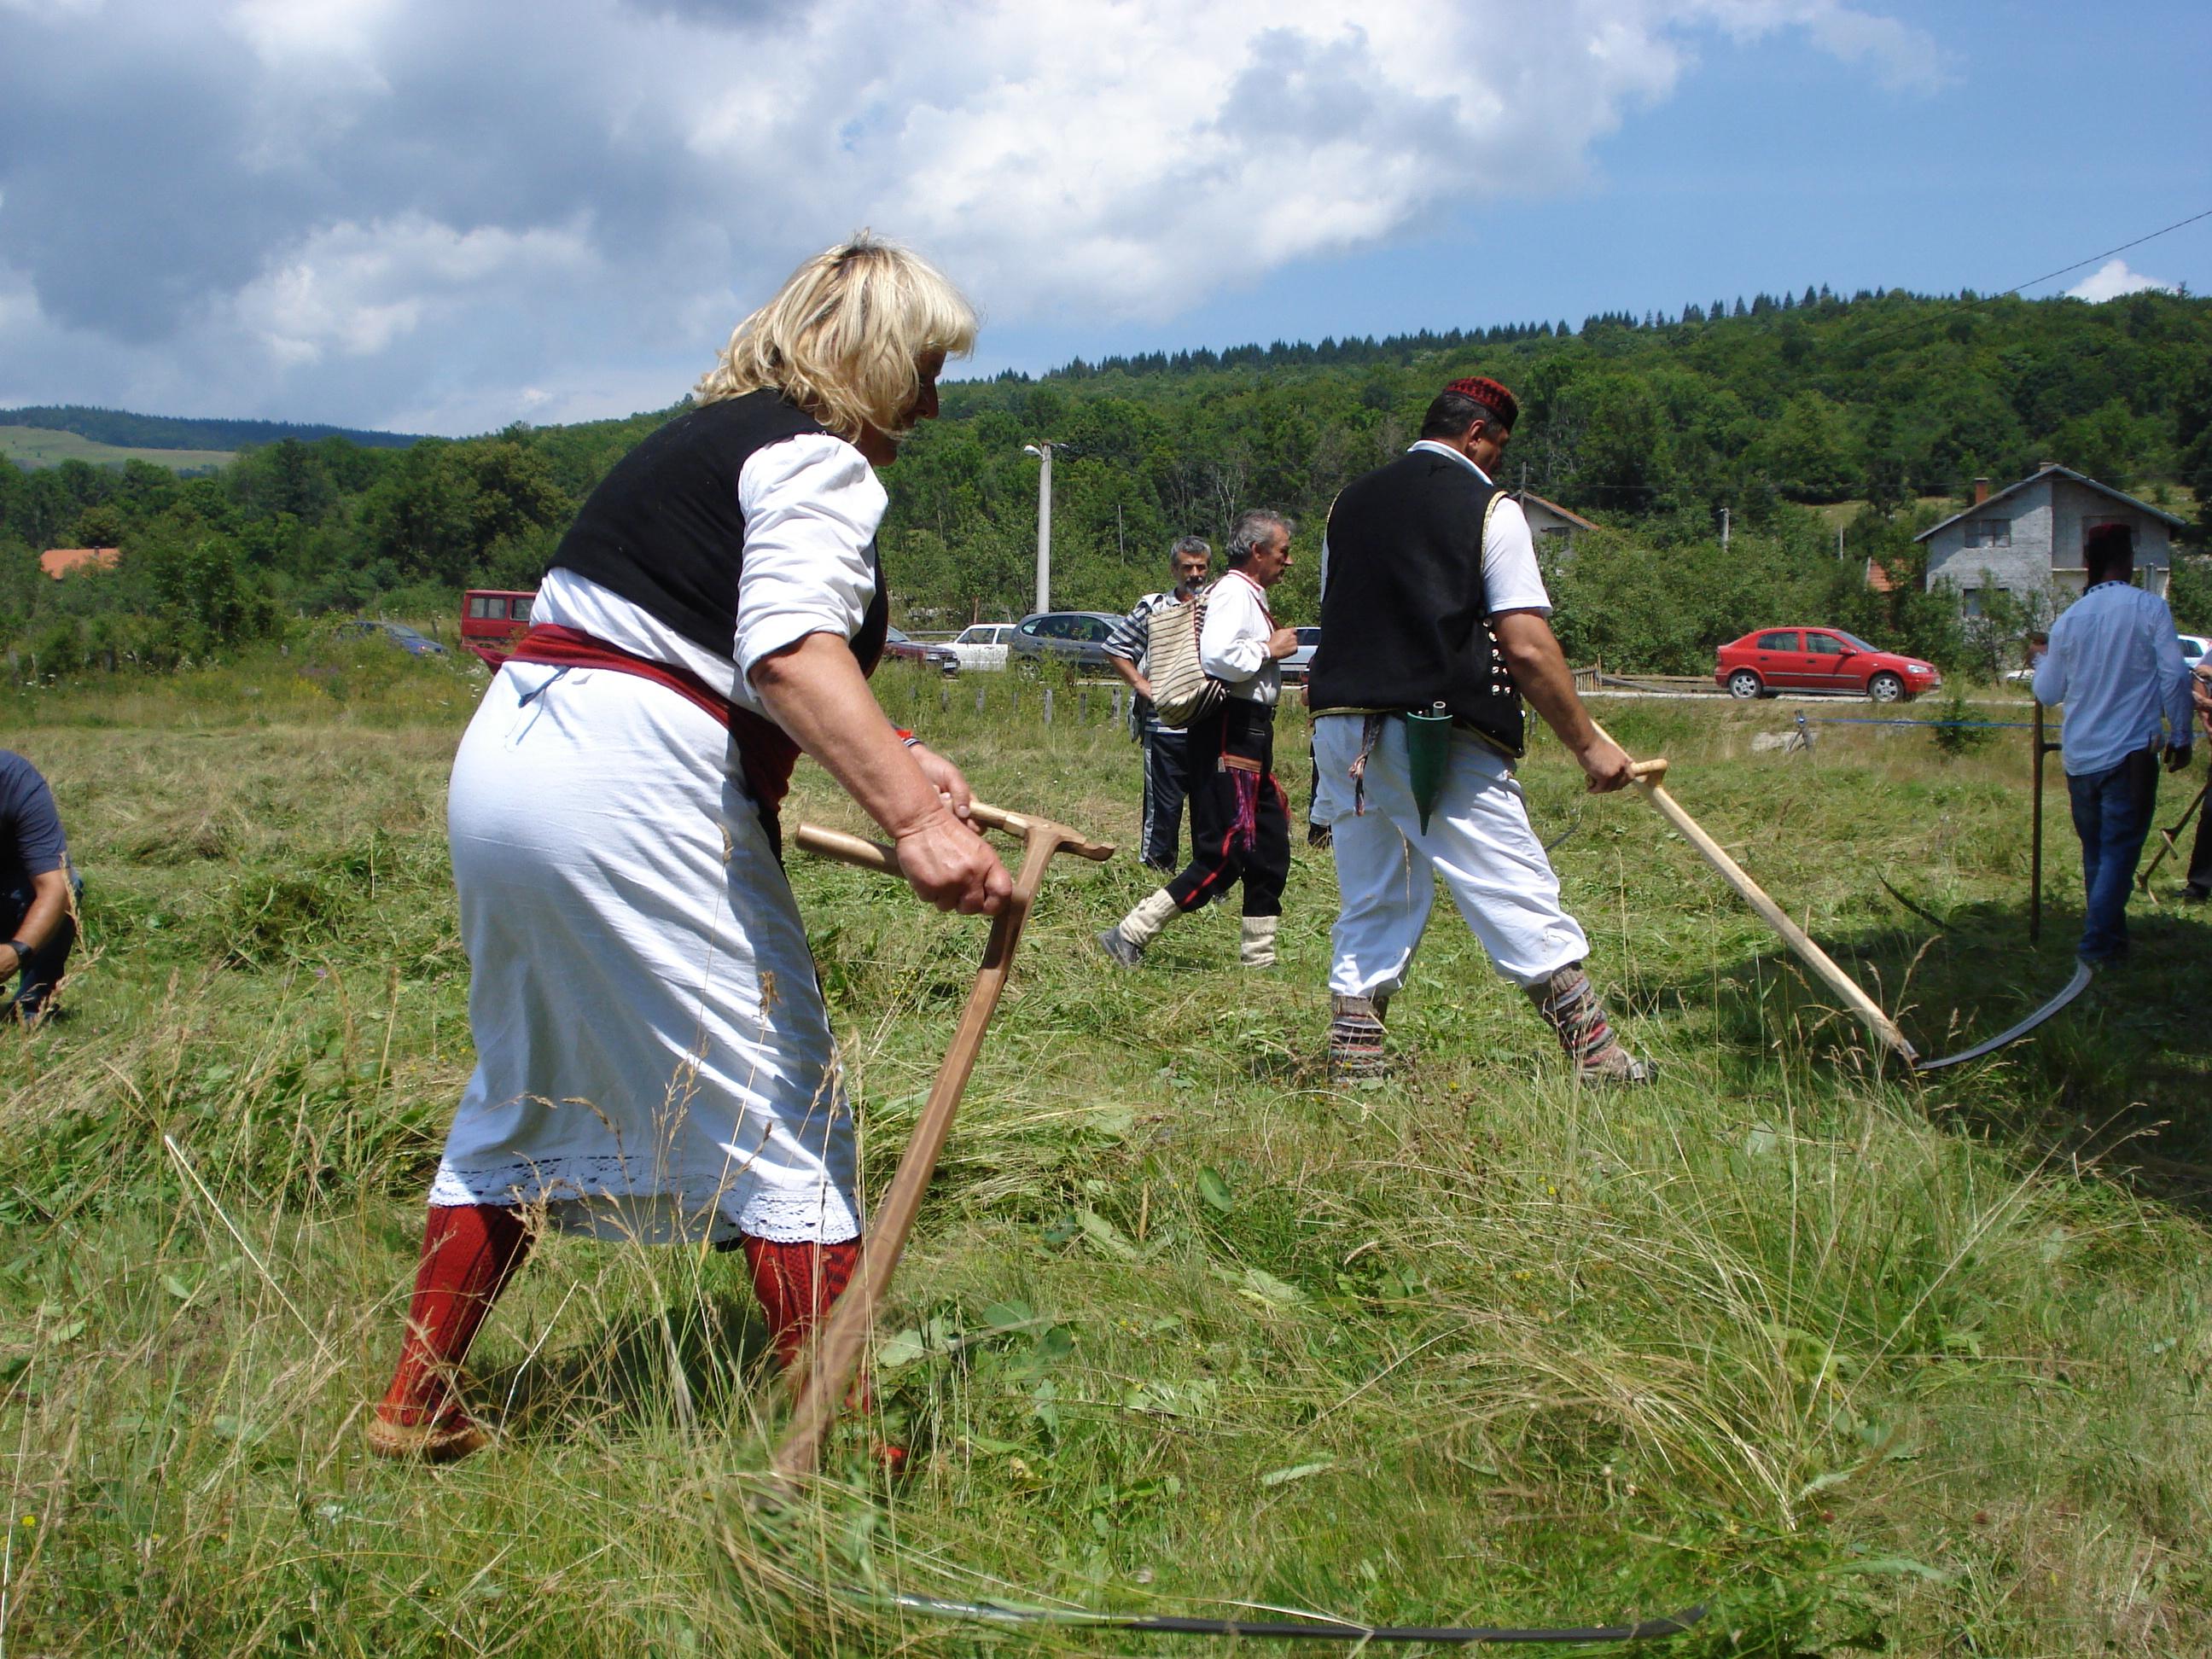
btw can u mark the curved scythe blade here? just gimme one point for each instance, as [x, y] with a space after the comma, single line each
[2075, 987]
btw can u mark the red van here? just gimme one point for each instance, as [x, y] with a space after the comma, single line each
[492, 619]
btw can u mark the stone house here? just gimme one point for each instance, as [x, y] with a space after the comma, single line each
[1553, 527]
[2027, 538]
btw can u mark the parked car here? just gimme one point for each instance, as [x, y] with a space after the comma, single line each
[493, 619]
[411, 640]
[1819, 659]
[983, 645]
[929, 655]
[1295, 665]
[2193, 648]
[1075, 637]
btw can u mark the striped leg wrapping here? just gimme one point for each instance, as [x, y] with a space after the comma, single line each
[1571, 1006]
[1355, 1038]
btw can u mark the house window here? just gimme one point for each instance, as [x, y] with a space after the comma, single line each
[1970, 602]
[1989, 532]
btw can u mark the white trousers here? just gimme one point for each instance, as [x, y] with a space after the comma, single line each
[1479, 840]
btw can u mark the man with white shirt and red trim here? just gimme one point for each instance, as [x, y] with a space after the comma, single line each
[1240, 822]
[1432, 605]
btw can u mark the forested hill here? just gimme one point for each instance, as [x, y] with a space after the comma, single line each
[125, 430]
[1651, 427]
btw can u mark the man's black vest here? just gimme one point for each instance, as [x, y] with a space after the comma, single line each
[663, 529]
[1405, 622]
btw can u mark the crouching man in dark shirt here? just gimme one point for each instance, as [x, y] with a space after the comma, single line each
[38, 908]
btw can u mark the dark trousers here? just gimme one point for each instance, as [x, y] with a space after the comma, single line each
[2112, 812]
[1167, 766]
[1237, 730]
[44, 971]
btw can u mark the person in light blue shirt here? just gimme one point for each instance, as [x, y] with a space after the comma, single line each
[2116, 664]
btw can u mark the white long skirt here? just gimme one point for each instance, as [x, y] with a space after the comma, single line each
[653, 1060]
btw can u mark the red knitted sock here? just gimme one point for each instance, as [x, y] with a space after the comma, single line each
[796, 1283]
[470, 1251]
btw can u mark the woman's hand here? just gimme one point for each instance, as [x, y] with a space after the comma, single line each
[945, 778]
[949, 863]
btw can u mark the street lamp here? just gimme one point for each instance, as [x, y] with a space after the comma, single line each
[1043, 453]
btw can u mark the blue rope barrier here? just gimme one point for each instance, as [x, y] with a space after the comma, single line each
[1992, 726]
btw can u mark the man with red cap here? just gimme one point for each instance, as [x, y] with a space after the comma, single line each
[1432, 629]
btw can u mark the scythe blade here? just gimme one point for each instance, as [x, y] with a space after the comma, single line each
[2075, 987]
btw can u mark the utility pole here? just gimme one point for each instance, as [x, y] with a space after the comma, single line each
[1043, 453]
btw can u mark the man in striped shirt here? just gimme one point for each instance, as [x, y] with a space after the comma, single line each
[1166, 747]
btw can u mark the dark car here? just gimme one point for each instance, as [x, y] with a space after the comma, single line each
[1299, 663]
[410, 641]
[1077, 638]
[942, 658]
[1819, 659]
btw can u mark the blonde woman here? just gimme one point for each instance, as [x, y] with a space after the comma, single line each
[654, 1059]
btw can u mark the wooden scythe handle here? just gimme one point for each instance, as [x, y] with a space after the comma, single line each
[1649, 780]
[2167, 839]
[818, 1385]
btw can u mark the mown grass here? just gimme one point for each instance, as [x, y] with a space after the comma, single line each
[1859, 1362]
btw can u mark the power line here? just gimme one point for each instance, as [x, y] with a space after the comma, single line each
[1901, 326]
[2063, 270]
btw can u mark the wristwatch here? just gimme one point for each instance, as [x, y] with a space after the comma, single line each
[23, 953]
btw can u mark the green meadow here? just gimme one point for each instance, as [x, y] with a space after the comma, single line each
[37, 446]
[1864, 1363]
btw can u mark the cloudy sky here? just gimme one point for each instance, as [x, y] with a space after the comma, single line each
[443, 215]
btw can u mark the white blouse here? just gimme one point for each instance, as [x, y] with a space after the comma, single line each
[811, 505]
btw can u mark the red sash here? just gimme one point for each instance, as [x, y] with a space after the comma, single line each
[766, 754]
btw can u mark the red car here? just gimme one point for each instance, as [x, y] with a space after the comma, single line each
[1819, 659]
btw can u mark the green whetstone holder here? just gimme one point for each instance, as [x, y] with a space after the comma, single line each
[1428, 753]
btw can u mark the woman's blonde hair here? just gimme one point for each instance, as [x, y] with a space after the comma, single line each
[842, 336]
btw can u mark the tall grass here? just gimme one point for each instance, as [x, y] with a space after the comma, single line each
[1182, 1328]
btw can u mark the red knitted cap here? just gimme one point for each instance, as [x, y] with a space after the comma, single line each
[1491, 396]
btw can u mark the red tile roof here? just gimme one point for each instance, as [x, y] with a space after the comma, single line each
[58, 562]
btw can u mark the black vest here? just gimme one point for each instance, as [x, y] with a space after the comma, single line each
[663, 529]
[1405, 622]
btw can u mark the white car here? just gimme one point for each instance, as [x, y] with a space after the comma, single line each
[2193, 648]
[982, 645]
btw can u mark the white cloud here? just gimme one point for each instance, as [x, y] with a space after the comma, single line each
[2113, 279]
[354, 290]
[410, 205]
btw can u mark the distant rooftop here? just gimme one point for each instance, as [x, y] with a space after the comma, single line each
[58, 562]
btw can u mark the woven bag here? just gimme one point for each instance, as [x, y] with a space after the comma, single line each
[1182, 691]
